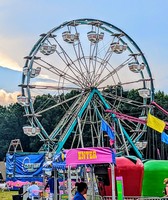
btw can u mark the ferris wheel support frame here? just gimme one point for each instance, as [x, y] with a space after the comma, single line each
[95, 91]
[139, 155]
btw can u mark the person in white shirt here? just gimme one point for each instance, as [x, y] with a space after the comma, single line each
[33, 191]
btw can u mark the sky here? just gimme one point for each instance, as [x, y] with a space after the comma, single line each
[22, 21]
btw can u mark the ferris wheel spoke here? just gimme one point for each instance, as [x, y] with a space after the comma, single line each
[58, 104]
[125, 83]
[93, 62]
[81, 64]
[105, 60]
[68, 61]
[51, 87]
[73, 109]
[114, 71]
[123, 99]
[103, 65]
[92, 57]
[60, 73]
[78, 49]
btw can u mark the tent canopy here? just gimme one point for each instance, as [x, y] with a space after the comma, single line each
[82, 156]
[90, 155]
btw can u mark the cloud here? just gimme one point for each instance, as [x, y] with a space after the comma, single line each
[47, 78]
[8, 98]
[7, 62]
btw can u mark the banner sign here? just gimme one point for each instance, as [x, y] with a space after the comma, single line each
[90, 155]
[9, 164]
[25, 164]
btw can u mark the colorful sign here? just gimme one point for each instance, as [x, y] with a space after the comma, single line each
[87, 155]
[120, 192]
[24, 165]
[90, 155]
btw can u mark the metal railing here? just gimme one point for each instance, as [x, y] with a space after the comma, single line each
[136, 198]
[96, 197]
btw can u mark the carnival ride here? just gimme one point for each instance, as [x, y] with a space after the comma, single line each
[96, 61]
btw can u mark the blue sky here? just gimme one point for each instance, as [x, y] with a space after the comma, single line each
[22, 21]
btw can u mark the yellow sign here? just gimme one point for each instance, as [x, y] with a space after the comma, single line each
[87, 155]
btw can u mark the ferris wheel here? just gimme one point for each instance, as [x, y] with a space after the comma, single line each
[95, 62]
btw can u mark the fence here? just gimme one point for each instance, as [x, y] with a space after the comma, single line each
[136, 198]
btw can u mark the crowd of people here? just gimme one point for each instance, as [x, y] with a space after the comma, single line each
[79, 191]
[34, 191]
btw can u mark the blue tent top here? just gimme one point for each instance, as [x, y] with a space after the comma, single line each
[59, 161]
[61, 165]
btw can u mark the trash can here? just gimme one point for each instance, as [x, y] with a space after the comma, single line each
[20, 191]
[17, 197]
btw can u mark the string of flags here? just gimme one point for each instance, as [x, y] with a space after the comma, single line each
[157, 125]
[110, 132]
[152, 122]
[164, 137]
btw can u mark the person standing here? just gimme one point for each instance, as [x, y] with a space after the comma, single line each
[81, 191]
[33, 191]
[166, 187]
[101, 187]
[50, 184]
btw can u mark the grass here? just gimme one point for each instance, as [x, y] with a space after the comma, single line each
[7, 195]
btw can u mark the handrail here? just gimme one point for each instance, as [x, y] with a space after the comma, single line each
[136, 198]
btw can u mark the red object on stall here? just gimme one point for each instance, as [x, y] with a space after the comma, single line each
[132, 170]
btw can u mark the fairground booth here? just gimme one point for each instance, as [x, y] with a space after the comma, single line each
[86, 158]
[101, 171]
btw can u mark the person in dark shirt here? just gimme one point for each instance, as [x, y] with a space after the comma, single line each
[81, 191]
[50, 184]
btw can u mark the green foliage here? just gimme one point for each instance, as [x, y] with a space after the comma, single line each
[162, 100]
